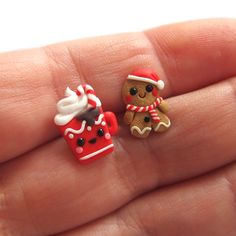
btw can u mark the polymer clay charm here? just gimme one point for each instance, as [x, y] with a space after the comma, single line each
[145, 109]
[84, 125]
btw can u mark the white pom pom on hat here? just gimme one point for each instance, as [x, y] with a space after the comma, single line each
[147, 75]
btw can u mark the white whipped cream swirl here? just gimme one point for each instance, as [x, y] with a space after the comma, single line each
[71, 106]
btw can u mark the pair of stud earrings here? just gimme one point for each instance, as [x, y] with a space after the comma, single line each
[88, 129]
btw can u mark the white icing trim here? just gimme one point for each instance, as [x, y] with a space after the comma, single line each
[79, 131]
[164, 124]
[97, 152]
[139, 130]
[99, 120]
[160, 83]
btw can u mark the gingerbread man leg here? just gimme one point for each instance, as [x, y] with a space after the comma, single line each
[141, 125]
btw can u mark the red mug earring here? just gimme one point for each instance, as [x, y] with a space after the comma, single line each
[84, 125]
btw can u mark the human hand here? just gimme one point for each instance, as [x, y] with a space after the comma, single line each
[182, 182]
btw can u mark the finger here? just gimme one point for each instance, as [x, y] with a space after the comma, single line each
[32, 81]
[195, 54]
[49, 190]
[203, 206]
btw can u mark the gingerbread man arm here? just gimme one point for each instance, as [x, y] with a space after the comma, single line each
[163, 106]
[128, 117]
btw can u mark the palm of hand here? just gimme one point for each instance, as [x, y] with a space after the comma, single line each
[176, 183]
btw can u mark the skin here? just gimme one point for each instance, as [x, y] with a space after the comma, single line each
[181, 183]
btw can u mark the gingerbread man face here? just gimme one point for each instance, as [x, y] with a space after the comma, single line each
[139, 93]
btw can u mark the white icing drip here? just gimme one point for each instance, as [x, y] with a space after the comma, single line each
[89, 128]
[139, 130]
[74, 131]
[99, 120]
[70, 106]
[164, 124]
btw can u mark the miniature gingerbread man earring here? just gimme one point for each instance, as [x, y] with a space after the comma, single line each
[145, 109]
[84, 125]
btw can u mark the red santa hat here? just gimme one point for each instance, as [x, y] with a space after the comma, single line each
[147, 75]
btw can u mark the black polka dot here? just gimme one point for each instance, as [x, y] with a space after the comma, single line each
[146, 119]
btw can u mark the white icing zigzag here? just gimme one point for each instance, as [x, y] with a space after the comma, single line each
[164, 124]
[141, 132]
[81, 130]
[74, 131]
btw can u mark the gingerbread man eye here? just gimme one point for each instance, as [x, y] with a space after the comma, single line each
[149, 88]
[133, 91]
[80, 142]
[100, 132]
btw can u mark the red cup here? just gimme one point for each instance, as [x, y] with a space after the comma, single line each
[91, 142]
